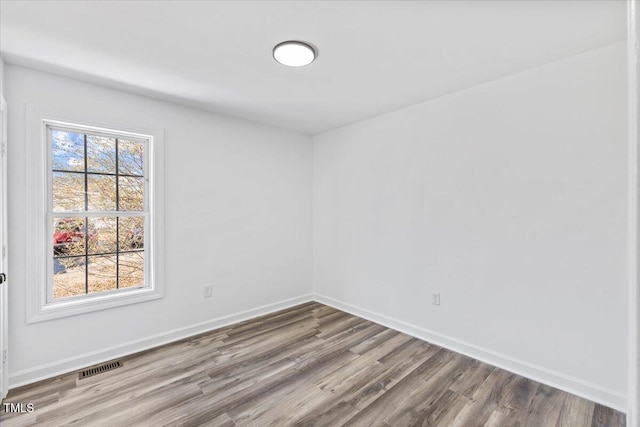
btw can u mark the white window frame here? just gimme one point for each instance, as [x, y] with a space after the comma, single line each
[40, 304]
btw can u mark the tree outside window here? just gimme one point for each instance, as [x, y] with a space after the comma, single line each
[98, 212]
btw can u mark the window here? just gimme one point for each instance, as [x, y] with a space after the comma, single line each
[96, 217]
[98, 208]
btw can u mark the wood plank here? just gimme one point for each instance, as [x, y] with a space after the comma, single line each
[545, 408]
[484, 401]
[374, 341]
[327, 416]
[472, 379]
[426, 400]
[412, 383]
[576, 412]
[607, 417]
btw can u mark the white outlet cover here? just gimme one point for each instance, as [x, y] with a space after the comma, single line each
[208, 291]
[435, 299]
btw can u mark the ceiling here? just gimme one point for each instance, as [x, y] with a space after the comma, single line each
[374, 56]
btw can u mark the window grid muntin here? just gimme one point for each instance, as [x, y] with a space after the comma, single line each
[132, 251]
[86, 220]
[96, 173]
[86, 214]
[117, 223]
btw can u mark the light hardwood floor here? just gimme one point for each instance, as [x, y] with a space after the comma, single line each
[308, 365]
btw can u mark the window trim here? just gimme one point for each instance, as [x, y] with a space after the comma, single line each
[38, 164]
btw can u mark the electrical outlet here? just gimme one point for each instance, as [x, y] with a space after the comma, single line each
[435, 298]
[208, 291]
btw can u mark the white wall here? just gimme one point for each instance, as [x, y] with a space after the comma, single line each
[1, 76]
[238, 215]
[509, 199]
[633, 51]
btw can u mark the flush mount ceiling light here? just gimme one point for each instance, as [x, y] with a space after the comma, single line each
[294, 53]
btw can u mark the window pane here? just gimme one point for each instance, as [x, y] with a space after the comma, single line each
[102, 273]
[68, 191]
[130, 157]
[131, 233]
[68, 277]
[131, 270]
[131, 194]
[101, 154]
[102, 235]
[68, 237]
[101, 192]
[68, 150]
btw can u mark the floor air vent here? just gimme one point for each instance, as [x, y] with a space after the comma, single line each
[99, 369]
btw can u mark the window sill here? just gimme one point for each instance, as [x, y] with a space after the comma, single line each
[74, 307]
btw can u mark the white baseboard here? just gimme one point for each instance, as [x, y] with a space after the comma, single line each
[53, 369]
[543, 375]
[561, 381]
